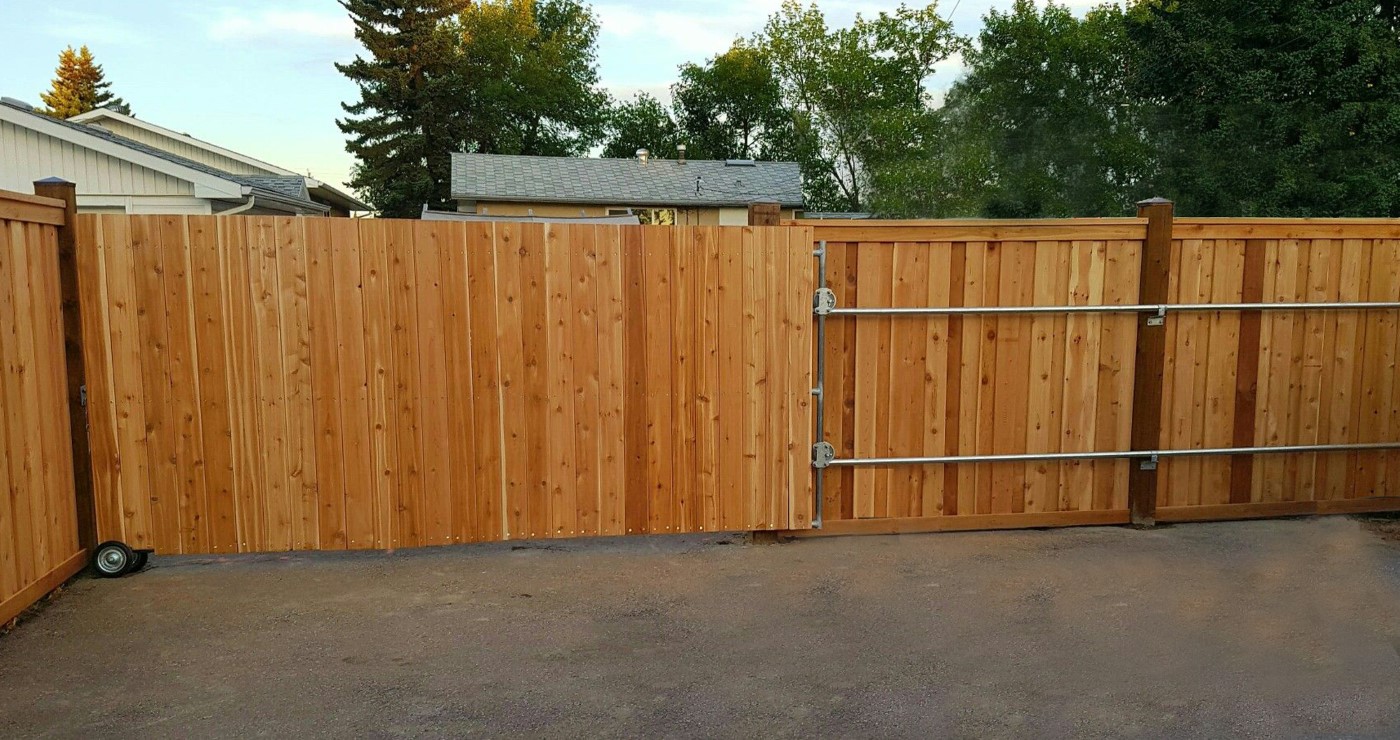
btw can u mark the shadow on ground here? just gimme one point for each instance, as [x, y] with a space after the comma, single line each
[1280, 628]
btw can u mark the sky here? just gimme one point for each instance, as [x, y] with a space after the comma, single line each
[256, 76]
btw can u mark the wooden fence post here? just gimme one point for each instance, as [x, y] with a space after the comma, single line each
[65, 191]
[765, 213]
[1151, 359]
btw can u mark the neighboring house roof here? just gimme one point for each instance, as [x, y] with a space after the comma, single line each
[321, 189]
[209, 182]
[624, 182]
[624, 220]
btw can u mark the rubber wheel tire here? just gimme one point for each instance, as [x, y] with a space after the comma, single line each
[113, 559]
[139, 564]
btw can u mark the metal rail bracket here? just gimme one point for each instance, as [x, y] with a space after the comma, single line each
[823, 302]
[822, 455]
[1148, 463]
[1159, 318]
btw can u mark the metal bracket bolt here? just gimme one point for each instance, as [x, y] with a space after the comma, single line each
[822, 455]
[823, 302]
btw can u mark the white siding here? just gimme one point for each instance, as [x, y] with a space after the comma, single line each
[26, 156]
[183, 148]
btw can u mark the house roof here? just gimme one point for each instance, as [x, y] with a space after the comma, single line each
[290, 189]
[624, 182]
[332, 194]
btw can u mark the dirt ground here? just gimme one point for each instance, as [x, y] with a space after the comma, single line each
[1266, 629]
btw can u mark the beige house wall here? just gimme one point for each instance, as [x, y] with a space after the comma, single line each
[684, 216]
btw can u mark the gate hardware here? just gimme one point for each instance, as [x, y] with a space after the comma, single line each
[1148, 464]
[823, 302]
[822, 454]
[1160, 318]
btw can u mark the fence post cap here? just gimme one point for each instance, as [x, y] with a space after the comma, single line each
[52, 181]
[1154, 202]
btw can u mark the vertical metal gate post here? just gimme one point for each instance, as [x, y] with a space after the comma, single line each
[822, 303]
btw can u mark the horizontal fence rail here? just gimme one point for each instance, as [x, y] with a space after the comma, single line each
[1152, 455]
[1160, 310]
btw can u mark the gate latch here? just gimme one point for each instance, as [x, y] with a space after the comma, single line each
[822, 455]
[823, 302]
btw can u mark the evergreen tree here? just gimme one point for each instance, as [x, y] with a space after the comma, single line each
[79, 86]
[407, 121]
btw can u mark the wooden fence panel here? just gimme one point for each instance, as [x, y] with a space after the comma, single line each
[39, 547]
[964, 385]
[1009, 384]
[1282, 377]
[274, 384]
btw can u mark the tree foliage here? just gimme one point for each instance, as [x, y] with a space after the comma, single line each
[641, 123]
[1273, 108]
[497, 76]
[1042, 124]
[1230, 108]
[79, 85]
[530, 76]
[731, 107]
[856, 96]
[408, 120]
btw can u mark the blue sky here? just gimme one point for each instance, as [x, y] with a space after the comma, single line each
[256, 76]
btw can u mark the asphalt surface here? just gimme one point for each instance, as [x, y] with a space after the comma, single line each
[1263, 629]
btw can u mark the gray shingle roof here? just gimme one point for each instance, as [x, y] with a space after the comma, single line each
[623, 182]
[289, 186]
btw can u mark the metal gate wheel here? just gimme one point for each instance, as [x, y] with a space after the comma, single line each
[140, 564]
[113, 559]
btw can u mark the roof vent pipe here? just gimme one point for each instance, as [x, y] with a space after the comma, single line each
[643, 155]
[680, 153]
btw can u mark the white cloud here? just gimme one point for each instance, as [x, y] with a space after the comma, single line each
[231, 24]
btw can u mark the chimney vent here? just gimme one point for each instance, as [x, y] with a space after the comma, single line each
[643, 155]
[680, 153]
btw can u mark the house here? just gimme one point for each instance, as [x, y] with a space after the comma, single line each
[657, 191]
[124, 165]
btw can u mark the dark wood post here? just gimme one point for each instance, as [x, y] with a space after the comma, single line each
[765, 213]
[73, 354]
[1151, 359]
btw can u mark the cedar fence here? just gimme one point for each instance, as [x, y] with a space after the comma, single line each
[989, 384]
[260, 384]
[311, 384]
[39, 522]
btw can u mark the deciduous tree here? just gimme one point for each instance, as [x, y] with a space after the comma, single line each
[641, 123]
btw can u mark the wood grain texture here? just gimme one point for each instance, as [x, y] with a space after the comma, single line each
[916, 386]
[286, 384]
[39, 539]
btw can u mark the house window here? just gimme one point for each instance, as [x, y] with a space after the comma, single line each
[653, 216]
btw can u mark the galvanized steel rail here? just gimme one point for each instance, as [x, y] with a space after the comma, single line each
[824, 305]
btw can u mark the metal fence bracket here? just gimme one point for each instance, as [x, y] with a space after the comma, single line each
[1160, 318]
[823, 302]
[1148, 463]
[822, 455]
